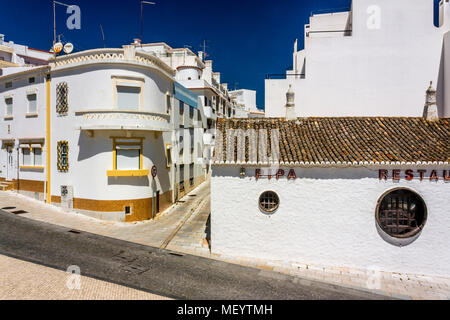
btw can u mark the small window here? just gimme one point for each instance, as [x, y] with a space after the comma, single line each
[31, 155]
[37, 156]
[128, 157]
[26, 152]
[168, 104]
[181, 113]
[269, 202]
[401, 213]
[32, 103]
[63, 156]
[31, 80]
[127, 210]
[182, 177]
[128, 97]
[62, 98]
[128, 153]
[168, 156]
[9, 107]
[191, 174]
[8, 85]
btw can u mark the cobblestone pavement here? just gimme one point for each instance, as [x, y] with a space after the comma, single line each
[21, 280]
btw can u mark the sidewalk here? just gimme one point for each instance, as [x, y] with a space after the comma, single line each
[152, 233]
[21, 280]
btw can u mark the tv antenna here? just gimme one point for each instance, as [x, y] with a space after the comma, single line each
[103, 36]
[204, 46]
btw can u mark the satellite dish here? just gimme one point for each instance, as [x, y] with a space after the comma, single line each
[68, 48]
[57, 47]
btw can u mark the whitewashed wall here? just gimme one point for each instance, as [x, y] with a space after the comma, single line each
[23, 126]
[92, 88]
[326, 217]
[374, 72]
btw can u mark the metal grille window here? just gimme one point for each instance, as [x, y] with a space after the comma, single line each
[63, 156]
[62, 98]
[269, 202]
[401, 213]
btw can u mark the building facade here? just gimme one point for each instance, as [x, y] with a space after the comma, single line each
[360, 193]
[106, 132]
[374, 60]
[197, 74]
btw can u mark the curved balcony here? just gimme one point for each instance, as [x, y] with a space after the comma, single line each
[93, 120]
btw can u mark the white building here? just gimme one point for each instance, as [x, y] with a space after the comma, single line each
[197, 75]
[16, 55]
[246, 99]
[358, 193]
[107, 132]
[375, 60]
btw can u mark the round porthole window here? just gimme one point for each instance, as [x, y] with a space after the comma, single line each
[401, 213]
[269, 202]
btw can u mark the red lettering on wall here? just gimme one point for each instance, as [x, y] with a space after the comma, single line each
[383, 174]
[434, 176]
[446, 177]
[422, 174]
[396, 175]
[280, 174]
[409, 175]
[292, 175]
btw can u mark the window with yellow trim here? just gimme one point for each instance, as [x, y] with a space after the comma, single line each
[128, 154]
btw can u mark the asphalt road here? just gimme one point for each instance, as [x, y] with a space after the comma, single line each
[153, 270]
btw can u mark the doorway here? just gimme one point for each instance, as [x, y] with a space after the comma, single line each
[157, 202]
[9, 163]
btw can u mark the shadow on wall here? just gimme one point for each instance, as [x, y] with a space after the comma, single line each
[154, 149]
[90, 147]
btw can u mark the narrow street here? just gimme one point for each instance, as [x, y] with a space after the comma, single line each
[149, 269]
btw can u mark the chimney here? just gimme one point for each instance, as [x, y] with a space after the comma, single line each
[200, 55]
[225, 86]
[129, 52]
[290, 104]
[137, 42]
[431, 112]
[2, 38]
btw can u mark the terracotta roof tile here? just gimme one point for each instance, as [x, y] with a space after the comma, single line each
[343, 140]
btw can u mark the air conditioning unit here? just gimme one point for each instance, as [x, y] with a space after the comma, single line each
[67, 197]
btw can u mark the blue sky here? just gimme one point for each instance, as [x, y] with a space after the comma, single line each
[248, 39]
